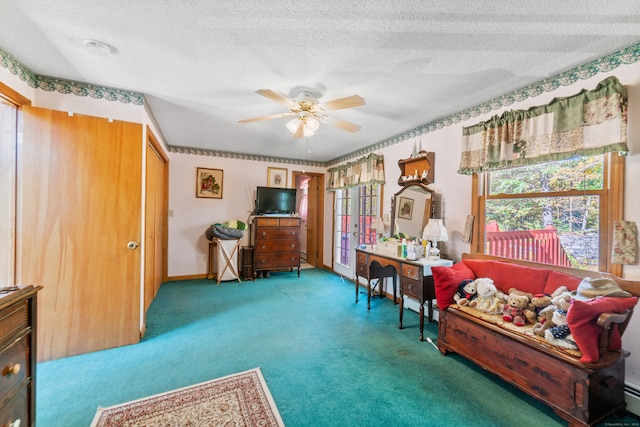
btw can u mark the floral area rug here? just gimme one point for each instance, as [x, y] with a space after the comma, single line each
[236, 400]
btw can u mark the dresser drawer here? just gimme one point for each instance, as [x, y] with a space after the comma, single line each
[13, 320]
[412, 271]
[266, 233]
[12, 359]
[277, 260]
[16, 409]
[360, 257]
[271, 246]
[267, 222]
[289, 222]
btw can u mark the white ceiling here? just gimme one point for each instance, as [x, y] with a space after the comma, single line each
[199, 62]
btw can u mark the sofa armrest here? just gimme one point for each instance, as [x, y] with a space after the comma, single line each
[606, 321]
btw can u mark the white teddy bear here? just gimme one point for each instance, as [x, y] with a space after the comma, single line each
[559, 334]
[488, 298]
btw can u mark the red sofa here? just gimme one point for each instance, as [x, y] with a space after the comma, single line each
[581, 386]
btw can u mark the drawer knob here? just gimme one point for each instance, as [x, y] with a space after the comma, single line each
[15, 423]
[263, 246]
[410, 271]
[12, 370]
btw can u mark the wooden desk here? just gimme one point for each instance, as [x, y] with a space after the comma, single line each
[416, 281]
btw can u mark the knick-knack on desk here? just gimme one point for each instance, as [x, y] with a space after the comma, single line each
[424, 174]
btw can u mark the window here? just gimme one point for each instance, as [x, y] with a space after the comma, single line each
[554, 213]
[355, 211]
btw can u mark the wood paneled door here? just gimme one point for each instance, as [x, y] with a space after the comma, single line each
[80, 182]
[156, 206]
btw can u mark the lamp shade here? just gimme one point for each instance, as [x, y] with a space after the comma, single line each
[435, 231]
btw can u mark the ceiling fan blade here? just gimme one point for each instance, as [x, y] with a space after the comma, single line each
[342, 124]
[300, 131]
[267, 93]
[273, 116]
[339, 104]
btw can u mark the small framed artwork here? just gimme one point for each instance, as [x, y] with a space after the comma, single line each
[406, 208]
[209, 183]
[277, 177]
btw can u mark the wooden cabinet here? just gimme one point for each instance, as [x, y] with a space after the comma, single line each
[276, 243]
[18, 357]
[246, 257]
[418, 169]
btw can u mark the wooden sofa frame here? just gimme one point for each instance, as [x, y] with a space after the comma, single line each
[582, 394]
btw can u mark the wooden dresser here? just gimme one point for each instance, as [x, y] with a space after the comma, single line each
[276, 243]
[18, 357]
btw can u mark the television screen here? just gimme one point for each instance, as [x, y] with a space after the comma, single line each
[271, 200]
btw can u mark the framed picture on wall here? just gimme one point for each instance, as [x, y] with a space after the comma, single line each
[209, 183]
[277, 177]
[406, 208]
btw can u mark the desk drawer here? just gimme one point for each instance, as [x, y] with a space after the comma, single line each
[412, 288]
[360, 257]
[412, 271]
[362, 269]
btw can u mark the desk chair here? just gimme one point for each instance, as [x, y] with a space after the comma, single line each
[379, 273]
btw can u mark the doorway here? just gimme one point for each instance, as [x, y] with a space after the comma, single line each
[310, 205]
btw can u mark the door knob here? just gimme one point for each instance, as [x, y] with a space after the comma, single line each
[132, 245]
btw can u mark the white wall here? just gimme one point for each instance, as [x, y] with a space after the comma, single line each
[188, 246]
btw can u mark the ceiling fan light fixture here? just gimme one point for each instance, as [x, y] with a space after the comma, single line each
[312, 124]
[293, 124]
[306, 131]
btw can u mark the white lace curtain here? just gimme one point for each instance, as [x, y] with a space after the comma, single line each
[588, 123]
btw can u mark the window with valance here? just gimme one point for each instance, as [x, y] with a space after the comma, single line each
[364, 171]
[551, 179]
[588, 123]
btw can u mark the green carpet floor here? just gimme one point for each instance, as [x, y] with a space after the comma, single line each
[326, 360]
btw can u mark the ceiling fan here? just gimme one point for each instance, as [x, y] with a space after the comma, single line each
[308, 113]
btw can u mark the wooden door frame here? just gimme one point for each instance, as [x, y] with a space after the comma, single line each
[320, 201]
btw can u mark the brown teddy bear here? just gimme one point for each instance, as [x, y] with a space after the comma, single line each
[544, 320]
[514, 310]
[540, 301]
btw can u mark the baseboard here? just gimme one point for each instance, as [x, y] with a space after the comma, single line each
[188, 277]
[632, 397]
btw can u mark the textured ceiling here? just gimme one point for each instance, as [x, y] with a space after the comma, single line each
[199, 62]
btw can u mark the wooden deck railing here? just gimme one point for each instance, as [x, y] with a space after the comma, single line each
[535, 245]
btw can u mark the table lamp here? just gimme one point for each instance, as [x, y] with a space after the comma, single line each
[434, 232]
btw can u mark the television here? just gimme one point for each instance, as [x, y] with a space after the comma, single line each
[272, 200]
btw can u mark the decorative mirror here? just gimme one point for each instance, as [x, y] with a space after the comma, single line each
[411, 208]
[415, 203]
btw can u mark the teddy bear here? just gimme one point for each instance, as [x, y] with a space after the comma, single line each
[544, 320]
[488, 298]
[514, 310]
[559, 334]
[466, 292]
[540, 301]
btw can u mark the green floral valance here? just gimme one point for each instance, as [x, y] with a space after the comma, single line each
[367, 170]
[588, 123]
